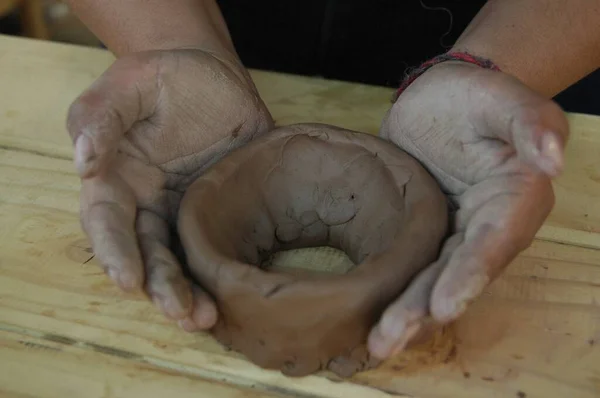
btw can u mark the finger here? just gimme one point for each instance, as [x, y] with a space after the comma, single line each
[345, 366]
[539, 145]
[402, 320]
[165, 282]
[484, 192]
[204, 313]
[126, 93]
[496, 233]
[536, 127]
[108, 218]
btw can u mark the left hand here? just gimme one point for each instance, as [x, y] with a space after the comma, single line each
[493, 144]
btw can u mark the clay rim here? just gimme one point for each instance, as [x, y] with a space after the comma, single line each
[238, 157]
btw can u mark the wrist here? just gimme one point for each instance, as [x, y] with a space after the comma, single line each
[451, 57]
[546, 44]
[145, 25]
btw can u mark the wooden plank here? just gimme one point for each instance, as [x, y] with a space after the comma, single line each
[49, 284]
[535, 329]
[56, 367]
[576, 215]
[44, 78]
[533, 332]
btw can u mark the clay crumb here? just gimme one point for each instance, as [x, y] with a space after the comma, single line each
[49, 313]
[466, 375]
[521, 394]
[517, 356]
[591, 342]
[488, 378]
[451, 355]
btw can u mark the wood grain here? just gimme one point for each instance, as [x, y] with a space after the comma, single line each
[63, 325]
[61, 368]
[576, 215]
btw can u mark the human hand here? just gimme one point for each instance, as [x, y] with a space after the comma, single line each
[493, 145]
[142, 133]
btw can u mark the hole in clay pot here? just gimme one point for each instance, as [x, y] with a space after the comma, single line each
[317, 260]
[317, 203]
[298, 208]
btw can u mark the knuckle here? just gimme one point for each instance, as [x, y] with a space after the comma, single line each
[161, 266]
[556, 119]
[137, 61]
[96, 105]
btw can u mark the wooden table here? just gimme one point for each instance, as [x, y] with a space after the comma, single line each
[66, 331]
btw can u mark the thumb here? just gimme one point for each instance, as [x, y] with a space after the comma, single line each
[126, 93]
[535, 126]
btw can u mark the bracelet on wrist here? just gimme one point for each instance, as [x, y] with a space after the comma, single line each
[450, 56]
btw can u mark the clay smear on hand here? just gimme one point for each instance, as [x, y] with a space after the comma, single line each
[300, 186]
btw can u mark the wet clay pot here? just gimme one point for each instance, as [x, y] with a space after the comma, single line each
[299, 186]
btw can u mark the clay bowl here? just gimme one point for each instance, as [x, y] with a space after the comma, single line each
[309, 185]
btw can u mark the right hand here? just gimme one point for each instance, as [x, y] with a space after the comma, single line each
[142, 133]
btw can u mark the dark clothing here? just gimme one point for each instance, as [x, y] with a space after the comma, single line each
[367, 41]
[370, 41]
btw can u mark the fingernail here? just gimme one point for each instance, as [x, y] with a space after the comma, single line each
[127, 280]
[551, 152]
[376, 343]
[458, 309]
[187, 324]
[410, 332]
[173, 308]
[114, 275]
[205, 317]
[392, 328]
[447, 309]
[84, 154]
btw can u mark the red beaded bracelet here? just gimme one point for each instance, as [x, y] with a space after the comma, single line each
[451, 56]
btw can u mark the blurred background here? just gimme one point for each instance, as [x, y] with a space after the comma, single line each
[366, 41]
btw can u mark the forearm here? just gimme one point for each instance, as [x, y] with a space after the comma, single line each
[547, 44]
[140, 25]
